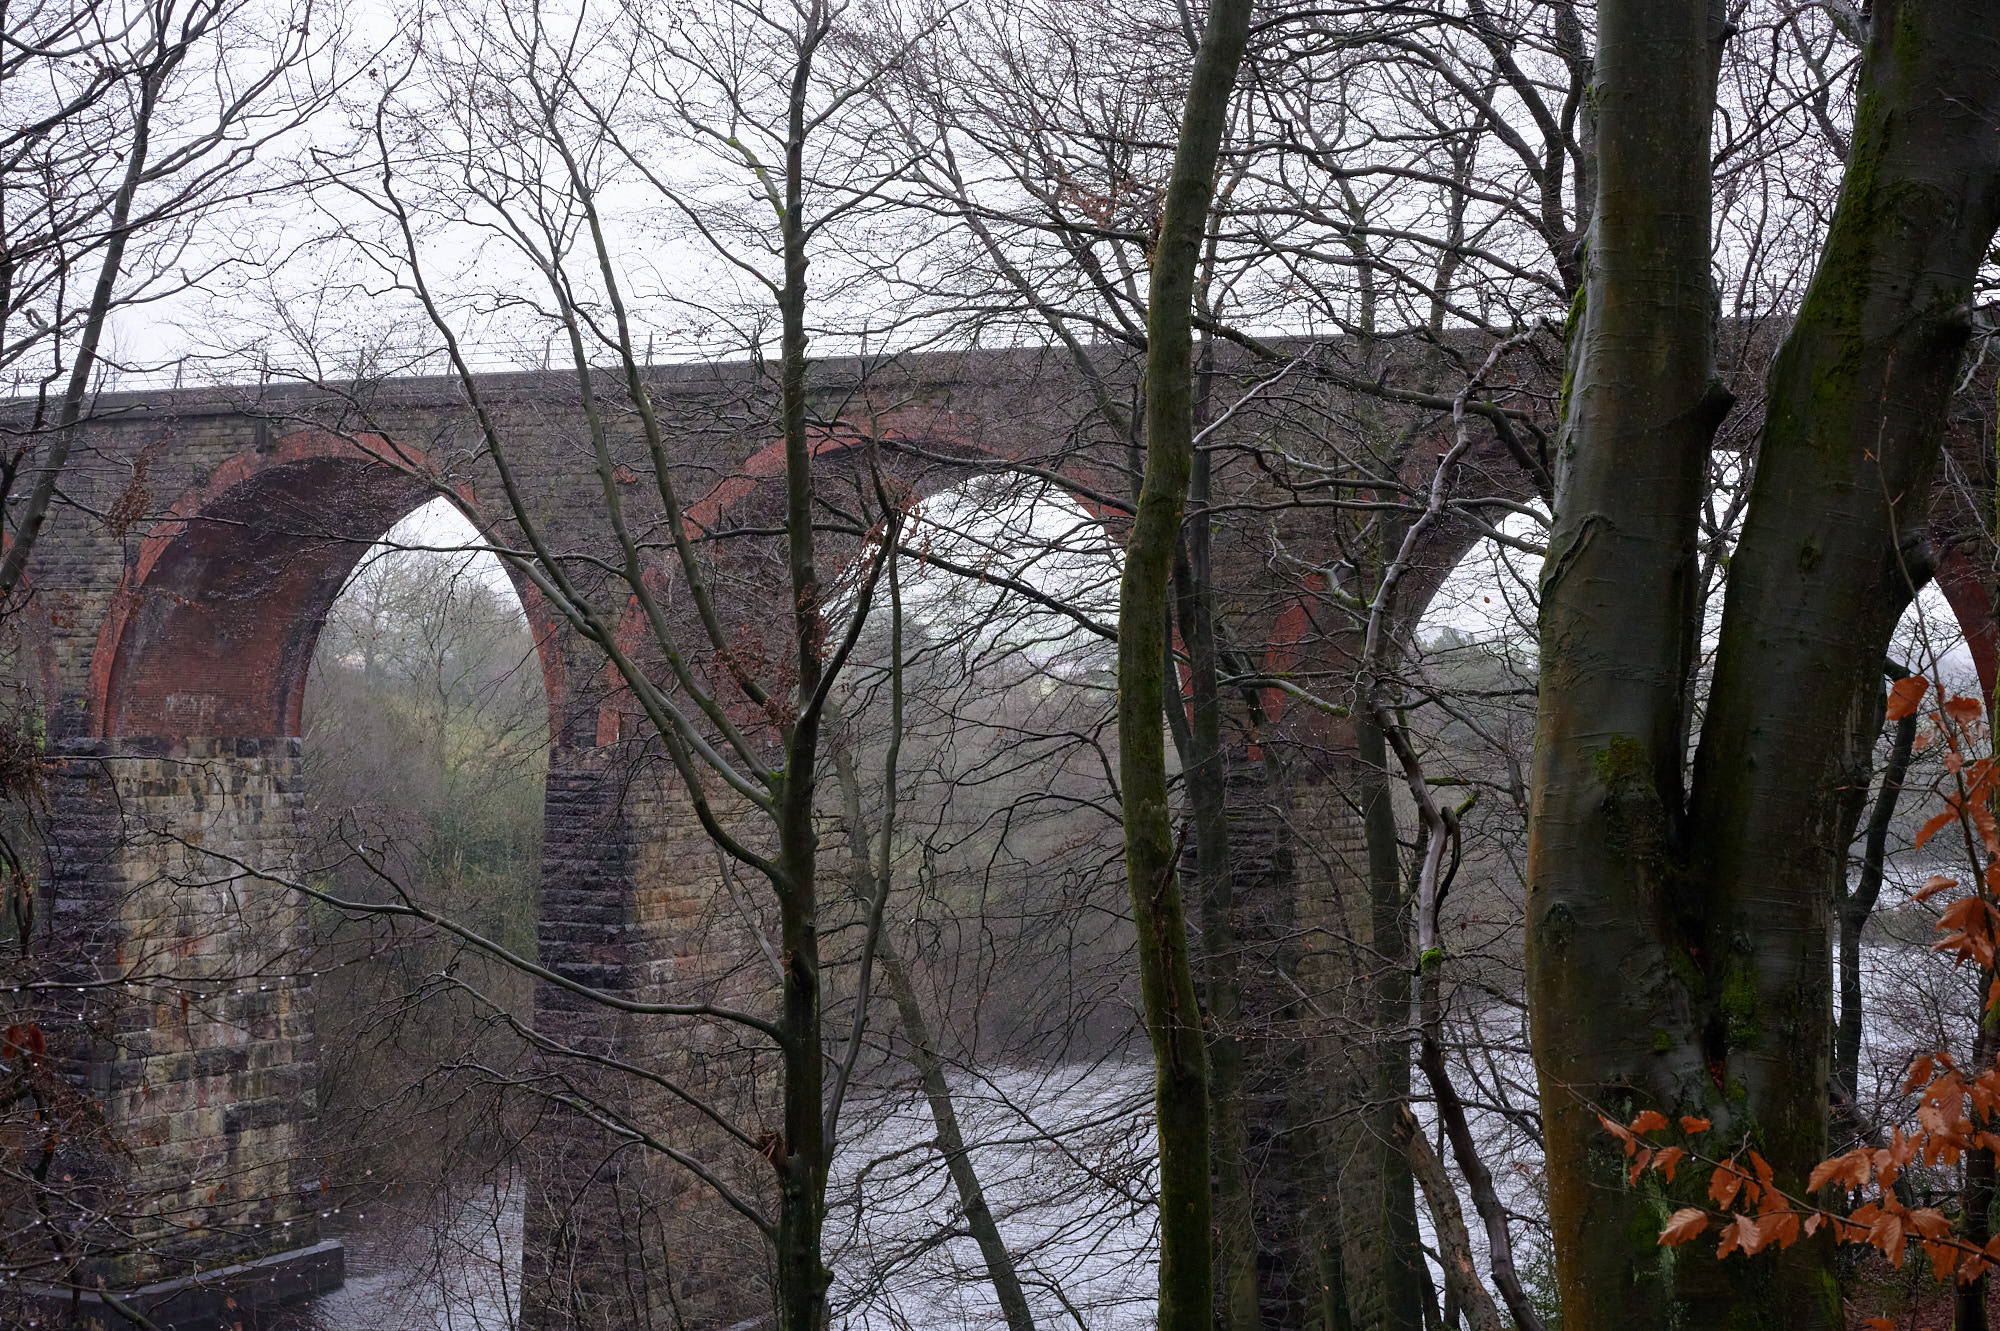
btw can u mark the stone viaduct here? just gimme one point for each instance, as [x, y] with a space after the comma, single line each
[166, 639]
[173, 609]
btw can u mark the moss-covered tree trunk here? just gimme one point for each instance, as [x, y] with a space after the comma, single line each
[1166, 983]
[1612, 990]
[1381, 1249]
[1833, 550]
[803, 1157]
[1206, 782]
[1678, 946]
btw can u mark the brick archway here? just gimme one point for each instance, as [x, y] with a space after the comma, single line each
[926, 453]
[212, 629]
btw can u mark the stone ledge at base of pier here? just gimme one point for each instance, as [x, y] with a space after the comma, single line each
[218, 1300]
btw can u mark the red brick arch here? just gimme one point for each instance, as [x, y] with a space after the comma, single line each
[212, 629]
[913, 442]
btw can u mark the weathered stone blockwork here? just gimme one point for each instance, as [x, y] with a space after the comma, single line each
[644, 907]
[202, 1053]
[184, 618]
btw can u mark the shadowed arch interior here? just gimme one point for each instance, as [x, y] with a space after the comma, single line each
[215, 626]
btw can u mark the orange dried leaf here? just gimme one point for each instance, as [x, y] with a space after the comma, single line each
[1689, 1123]
[1649, 1121]
[1965, 913]
[1779, 1227]
[1888, 1234]
[1850, 1170]
[1935, 825]
[1683, 1225]
[1920, 1073]
[1740, 1233]
[1929, 1223]
[1961, 708]
[1621, 1132]
[1724, 1184]
[1667, 1159]
[1905, 696]
[1938, 883]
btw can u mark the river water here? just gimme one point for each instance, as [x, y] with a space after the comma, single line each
[1065, 1157]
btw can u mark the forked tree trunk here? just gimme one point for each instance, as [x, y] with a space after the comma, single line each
[1678, 949]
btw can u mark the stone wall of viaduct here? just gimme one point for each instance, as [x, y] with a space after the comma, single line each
[176, 606]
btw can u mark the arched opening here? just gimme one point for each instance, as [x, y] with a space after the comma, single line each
[215, 624]
[213, 628]
[1005, 944]
[1007, 941]
[426, 746]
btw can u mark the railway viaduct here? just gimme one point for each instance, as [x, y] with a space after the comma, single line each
[174, 603]
[172, 613]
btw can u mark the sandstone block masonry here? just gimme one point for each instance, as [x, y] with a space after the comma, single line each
[195, 1029]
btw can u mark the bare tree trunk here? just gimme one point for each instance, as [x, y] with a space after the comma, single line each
[1380, 1248]
[1173, 1018]
[801, 1159]
[1461, 1273]
[1465, 1153]
[923, 1055]
[1207, 795]
[1857, 905]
